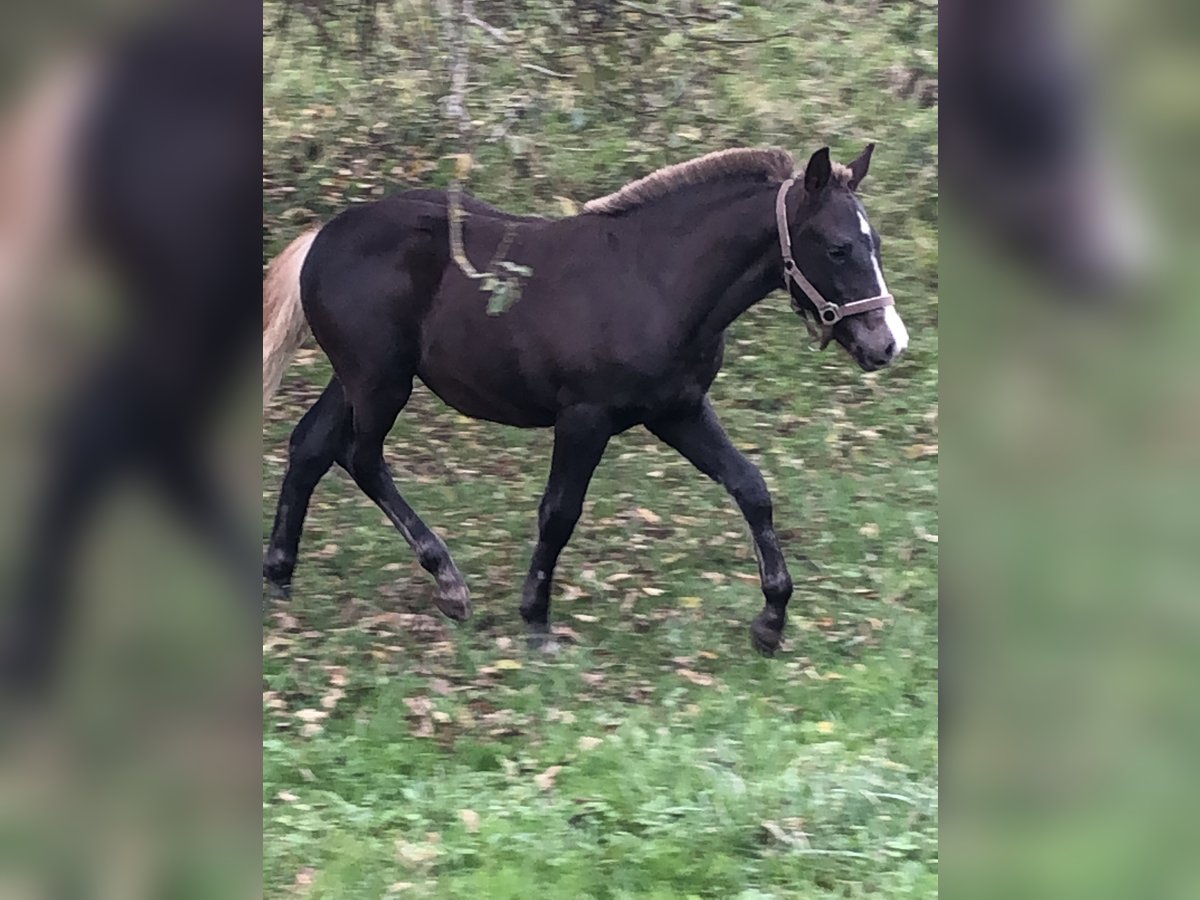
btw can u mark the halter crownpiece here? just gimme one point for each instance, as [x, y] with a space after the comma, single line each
[825, 314]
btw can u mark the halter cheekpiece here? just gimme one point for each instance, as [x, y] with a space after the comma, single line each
[824, 314]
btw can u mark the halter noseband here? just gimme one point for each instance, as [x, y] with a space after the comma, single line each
[825, 314]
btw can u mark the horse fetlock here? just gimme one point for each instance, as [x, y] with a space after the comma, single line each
[777, 589]
[535, 610]
[277, 570]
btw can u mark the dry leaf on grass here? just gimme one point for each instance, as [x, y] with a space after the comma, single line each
[698, 677]
[416, 856]
[470, 819]
[419, 706]
[545, 781]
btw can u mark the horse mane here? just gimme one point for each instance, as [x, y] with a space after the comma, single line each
[764, 163]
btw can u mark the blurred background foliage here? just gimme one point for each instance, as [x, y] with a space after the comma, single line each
[566, 101]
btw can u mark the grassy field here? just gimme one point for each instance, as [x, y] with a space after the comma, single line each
[657, 755]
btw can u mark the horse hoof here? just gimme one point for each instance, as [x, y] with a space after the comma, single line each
[276, 591]
[765, 636]
[544, 642]
[454, 602]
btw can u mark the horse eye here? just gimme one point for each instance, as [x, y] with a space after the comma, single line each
[839, 253]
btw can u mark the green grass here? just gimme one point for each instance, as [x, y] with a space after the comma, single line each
[656, 755]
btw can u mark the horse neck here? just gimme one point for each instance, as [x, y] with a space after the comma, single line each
[728, 257]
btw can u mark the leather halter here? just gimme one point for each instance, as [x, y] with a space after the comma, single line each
[824, 314]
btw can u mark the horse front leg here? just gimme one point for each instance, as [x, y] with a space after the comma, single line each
[580, 435]
[699, 437]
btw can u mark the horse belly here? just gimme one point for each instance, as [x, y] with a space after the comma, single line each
[484, 381]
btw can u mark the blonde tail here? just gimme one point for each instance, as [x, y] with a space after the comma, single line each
[283, 316]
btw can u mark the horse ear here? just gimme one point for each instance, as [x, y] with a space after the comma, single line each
[858, 168]
[818, 171]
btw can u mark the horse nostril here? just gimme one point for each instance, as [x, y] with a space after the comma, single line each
[890, 350]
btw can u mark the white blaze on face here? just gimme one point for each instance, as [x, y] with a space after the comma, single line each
[890, 316]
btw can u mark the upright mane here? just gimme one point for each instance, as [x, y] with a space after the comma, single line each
[765, 163]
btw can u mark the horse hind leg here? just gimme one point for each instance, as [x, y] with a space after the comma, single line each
[320, 438]
[375, 412]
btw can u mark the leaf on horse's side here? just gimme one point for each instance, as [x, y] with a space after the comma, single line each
[503, 295]
[516, 268]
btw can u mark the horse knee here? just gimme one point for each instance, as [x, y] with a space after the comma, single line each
[432, 553]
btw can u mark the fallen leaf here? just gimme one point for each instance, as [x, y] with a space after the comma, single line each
[470, 819]
[825, 727]
[778, 833]
[566, 632]
[697, 677]
[653, 592]
[649, 515]
[590, 743]
[311, 715]
[305, 877]
[690, 602]
[869, 530]
[419, 706]
[508, 664]
[545, 781]
[415, 855]
[287, 797]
